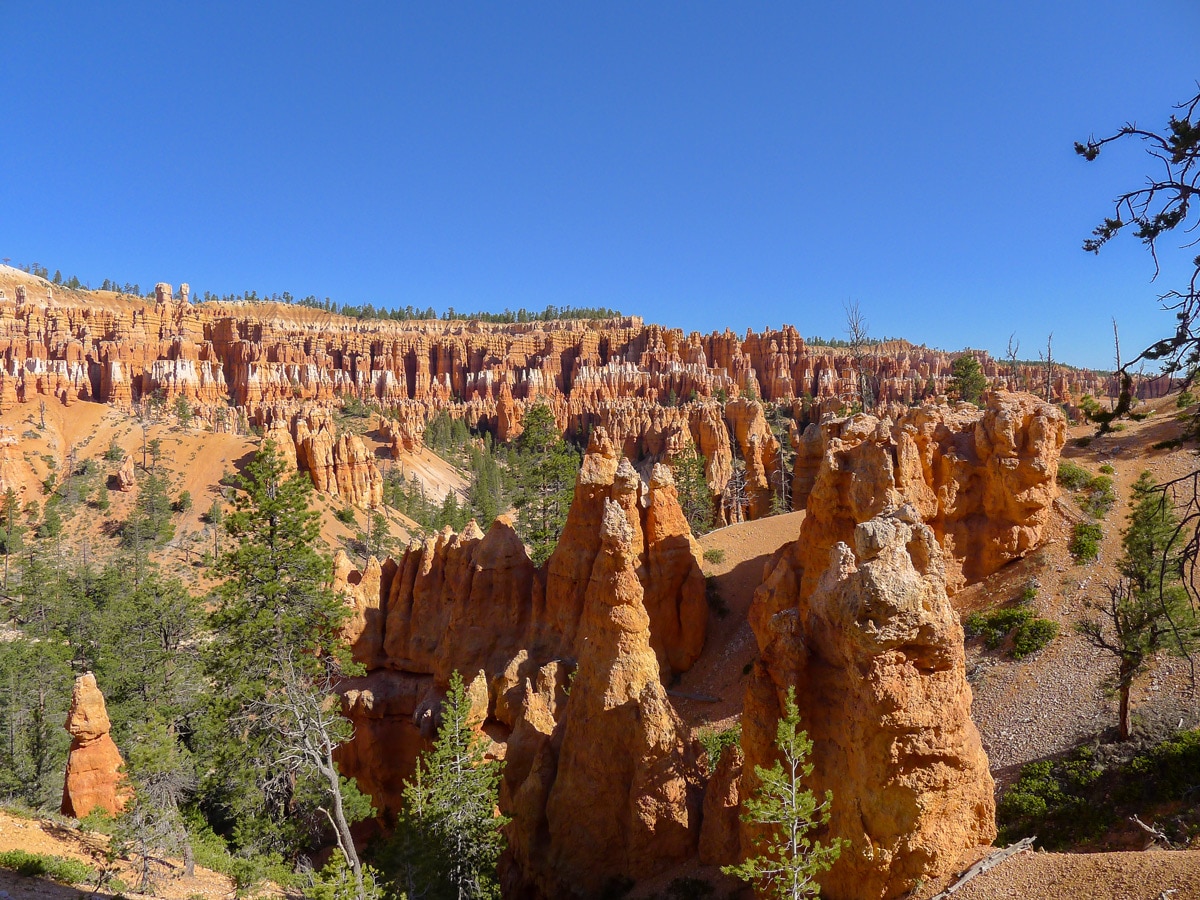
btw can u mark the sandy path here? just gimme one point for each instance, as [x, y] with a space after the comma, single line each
[730, 648]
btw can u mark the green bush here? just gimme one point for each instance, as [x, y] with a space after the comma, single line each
[1085, 542]
[994, 626]
[1106, 469]
[1072, 476]
[715, 741]
[1072, 801]
[1029, 632]
[1051, 799]
[1184, 400]
[1100, 497]
[1170, 770]
[345, 515]
[714, 556]
[41, 865]
[1172, 444]
[1031, 636]
[1029, 591]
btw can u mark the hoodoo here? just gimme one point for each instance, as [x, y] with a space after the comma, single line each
[94, 779]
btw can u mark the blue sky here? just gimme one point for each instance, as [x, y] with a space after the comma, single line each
[703, 165]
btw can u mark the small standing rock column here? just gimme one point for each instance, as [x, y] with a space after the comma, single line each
[94, 778]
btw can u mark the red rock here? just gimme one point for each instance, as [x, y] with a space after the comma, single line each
[94, 779]
[876, 656]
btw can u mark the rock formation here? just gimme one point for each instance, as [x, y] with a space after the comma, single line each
[656, 391]
[472, 602]
[983, 480]
[625, 756]
[94, 779]
[876, 656]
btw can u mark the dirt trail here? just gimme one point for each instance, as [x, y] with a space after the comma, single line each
[43, 836]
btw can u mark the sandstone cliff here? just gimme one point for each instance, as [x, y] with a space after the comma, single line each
[94, 779]
[983, 480]
[656, 391]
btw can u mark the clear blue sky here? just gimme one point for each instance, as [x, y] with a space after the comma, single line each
[703, 165]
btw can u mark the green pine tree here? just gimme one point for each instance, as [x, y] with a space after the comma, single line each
[1148, 609]
[787, 859]
[694, 496]
[12, 532]
[276, 652]
[448, 838]
[967, 379]
[546, 469]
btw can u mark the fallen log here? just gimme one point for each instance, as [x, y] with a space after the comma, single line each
[988, 862]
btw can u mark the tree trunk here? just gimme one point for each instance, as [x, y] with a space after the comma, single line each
[1124, 715]
[345, 838]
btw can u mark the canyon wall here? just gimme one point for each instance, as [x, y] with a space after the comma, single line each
[656, 391]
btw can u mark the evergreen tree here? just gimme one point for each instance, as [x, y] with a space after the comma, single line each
[967, 379]
[148, 649]
[1148, 609]
[12, 532]
[151, 829]
[787, 859]
[448, 838]
[546, 469]
[150, 525]
[694, 496]
[35, 691]
[276, 651]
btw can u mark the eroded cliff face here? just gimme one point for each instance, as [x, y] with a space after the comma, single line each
[569, 662]
[875, 653]
[983, 480]
[656, 391]
[94, 779]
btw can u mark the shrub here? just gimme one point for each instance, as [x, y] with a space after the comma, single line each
[184, 503]
[715, 741]
[1029, 632]
[1184, 400]
[1083, 441]
[1100, 497]
[64, 871]
[1072, 476]
[714, 556]
[1106, 469]
[1032, 635]
[994, 626]
[345, 515]
[1085, 542]
[1029, 591]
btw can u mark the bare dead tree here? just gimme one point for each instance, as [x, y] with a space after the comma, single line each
[1162, 205]
[859, 335]
[1047, 359]
[305, 728]
[1010, 353]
